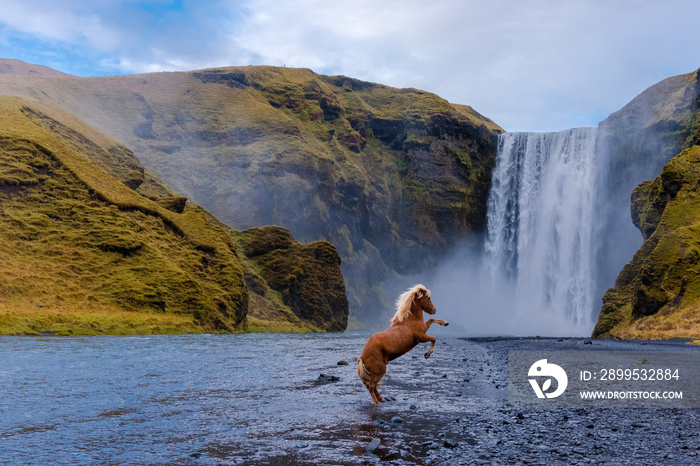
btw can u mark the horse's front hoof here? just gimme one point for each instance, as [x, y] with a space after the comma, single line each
[446, 324]
[427, 355]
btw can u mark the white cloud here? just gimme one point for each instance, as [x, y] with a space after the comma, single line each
[536, 65]
[32, 19]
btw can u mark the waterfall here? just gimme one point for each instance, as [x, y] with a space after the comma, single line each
[541, 224]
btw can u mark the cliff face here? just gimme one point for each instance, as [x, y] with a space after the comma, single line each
[91, 242]
[306, 277]
[638, 141]
[653, 127]
[656, 295]
[391, 177]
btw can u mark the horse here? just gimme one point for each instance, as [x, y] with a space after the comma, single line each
[407, 330]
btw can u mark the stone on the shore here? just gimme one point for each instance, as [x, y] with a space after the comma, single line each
[323, 378]
[373, 445]
[450, 444]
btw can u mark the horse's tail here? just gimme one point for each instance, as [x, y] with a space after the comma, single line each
[362, 371]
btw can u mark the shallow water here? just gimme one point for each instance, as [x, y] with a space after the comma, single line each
[257, 399]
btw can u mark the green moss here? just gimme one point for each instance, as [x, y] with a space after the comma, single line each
[83, 253]
[73, 237]
[288, 277]
[257, 325]
[478, 118]
[658, 293]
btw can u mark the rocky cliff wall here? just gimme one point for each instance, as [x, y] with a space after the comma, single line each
[656, 294]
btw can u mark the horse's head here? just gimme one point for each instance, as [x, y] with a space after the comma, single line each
[412, 301]
[423, 300]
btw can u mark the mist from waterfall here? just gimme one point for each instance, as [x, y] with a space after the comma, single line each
[535, 271]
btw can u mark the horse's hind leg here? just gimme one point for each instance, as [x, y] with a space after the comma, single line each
[377, 375]
[366, 378]
[378, 395]
[373, 394]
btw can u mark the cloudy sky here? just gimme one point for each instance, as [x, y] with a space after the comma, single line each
[535, 65]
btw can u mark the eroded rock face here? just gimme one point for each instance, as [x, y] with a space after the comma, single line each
[175, 204]
[390, 177]
[307, 276]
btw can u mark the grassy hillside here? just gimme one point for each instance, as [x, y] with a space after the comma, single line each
[657, 295]
[20, 68]
[391, 177]
[84, 250]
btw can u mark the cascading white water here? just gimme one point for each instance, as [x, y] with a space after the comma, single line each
[541, 223]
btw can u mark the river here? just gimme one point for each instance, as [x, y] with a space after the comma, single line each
[261, 399]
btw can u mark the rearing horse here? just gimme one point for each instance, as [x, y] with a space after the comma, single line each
[407, 330]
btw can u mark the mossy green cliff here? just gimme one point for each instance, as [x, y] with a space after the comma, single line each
[91, 242]
[391, 177]
[301, 275]
[657, 295]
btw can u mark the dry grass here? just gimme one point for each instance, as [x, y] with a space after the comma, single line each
[681, 322]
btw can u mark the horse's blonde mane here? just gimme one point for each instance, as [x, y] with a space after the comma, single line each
[403, 304]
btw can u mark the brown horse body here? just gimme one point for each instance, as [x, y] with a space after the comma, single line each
[407, 330]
